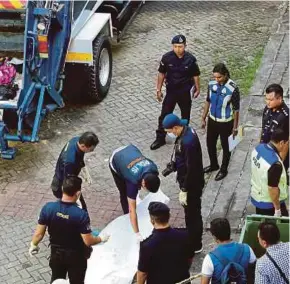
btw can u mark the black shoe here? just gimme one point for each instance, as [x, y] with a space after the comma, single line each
[210, 169]
[157, 144]
[220, 175]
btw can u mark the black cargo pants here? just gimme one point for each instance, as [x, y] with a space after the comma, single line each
[63, 262]
[171, 99]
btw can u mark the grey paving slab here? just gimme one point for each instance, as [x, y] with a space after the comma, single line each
[128, 114]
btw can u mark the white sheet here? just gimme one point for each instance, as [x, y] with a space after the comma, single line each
[115, 262]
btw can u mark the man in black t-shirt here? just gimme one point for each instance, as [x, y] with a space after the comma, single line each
[179, 69]
[165, 257]
[70, 234]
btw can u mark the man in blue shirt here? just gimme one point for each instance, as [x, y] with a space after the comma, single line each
[164, 257]
[70, 234]
[180, 72]
[71, 161]
[227, 251]
[131, 171]
[187, 161]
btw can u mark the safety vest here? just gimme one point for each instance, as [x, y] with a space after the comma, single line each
[220, 101]
[263, 157]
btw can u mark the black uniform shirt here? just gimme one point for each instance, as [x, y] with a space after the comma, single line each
[66, 222]
[188, 159]
[179, 71]
[274, 119]
[165, 255]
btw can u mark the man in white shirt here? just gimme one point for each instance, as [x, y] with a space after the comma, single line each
[215, 263]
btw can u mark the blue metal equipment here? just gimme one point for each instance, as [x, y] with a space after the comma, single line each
[61, 38]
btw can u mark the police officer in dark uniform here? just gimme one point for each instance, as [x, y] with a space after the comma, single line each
[181, 74]
[131, 170]
[71, 161]
[223, 105]
[164, 257]
[187, 161]
[275, 115]
[69, 234]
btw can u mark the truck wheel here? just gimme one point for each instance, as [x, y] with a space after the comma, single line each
[100, 73]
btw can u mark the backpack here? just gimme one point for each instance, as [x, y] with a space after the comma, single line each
[233, 272]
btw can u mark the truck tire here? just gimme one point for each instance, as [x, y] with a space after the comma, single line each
[100, 73]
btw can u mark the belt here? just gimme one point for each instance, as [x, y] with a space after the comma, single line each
[221, 119]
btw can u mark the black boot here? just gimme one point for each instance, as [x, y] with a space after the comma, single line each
[221, 174]
[210, 169]
[157, 143]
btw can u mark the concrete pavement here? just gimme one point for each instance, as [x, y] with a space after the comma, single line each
[128, 114]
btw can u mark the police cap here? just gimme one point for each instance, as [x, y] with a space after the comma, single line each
[179, 39]
[158, 208]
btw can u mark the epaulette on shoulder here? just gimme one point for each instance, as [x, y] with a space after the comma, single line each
[232, 83]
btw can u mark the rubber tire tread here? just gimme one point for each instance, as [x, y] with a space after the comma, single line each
[97, 92]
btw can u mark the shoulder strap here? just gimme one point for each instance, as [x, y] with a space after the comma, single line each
[239, 253]
[222, 259]
[278, 268]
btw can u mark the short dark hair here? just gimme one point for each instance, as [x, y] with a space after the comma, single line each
[222, 69]
[269, 232]
[89, 139]
[279, 135]
[220, 228]
[71, 185]
[152, 182]
[276, 88]
[161, 218]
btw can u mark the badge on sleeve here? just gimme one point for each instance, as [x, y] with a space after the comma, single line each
[224, 91]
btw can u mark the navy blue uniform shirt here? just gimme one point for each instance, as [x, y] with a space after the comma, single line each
[66, 222]
[70, 161]
[188, 159]
[274, 119]
[165, 255]
[179, 72]
[130, 164]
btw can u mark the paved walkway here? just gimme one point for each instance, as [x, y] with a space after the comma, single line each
[128, 114]
[230, 197]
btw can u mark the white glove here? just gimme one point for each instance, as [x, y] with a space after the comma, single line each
[33, 249]
[183, 198]
[85, 174]
[104, 237]
[278, 213]
[139, 237]
[89, 178]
